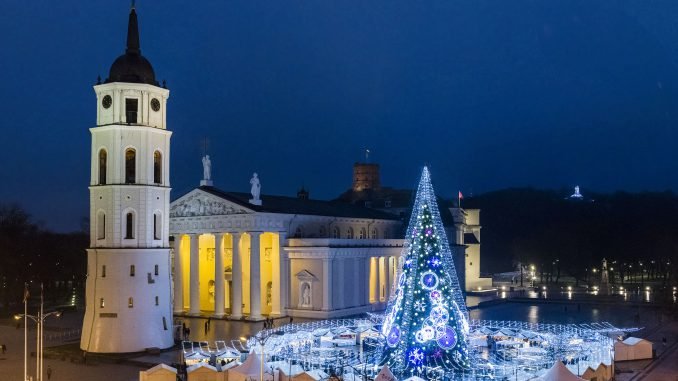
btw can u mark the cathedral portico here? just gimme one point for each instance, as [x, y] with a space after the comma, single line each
[299, 268]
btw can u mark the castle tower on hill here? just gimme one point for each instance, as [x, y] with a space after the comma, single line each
[128, 290]
[366, 177]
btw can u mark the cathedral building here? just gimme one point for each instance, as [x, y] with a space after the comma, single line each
[239, 256]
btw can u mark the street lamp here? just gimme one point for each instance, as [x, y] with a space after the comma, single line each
[39, 319]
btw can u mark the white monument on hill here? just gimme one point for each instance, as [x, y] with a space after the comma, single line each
[128, 291]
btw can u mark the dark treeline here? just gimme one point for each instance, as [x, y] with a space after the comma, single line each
[636, 233]
[31, 254]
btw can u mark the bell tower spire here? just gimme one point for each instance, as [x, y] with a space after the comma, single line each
[133, 46]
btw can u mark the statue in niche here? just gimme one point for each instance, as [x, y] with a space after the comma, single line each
[256, 187]
[206, 167]
[269, 293]
[306, 295]
[210, 291]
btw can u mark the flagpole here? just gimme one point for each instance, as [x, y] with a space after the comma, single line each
[25, 331]
[42, 317]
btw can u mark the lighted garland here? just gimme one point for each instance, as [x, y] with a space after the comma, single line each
[425, 324]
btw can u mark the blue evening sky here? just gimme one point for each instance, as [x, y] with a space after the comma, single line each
[491, 94]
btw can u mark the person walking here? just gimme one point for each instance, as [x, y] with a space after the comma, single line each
[49, 372]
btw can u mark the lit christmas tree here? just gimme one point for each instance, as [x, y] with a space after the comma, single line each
[425, 324]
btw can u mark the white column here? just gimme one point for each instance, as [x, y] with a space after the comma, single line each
[378, 280]
[178, 276]
[236, 278]
[390, 273]
[367, 266]
[218, 275]
[356, 300]
[276, 275]
[327, 284]
[340, 272]
[195, 275]
[284, 275]
[255, 275]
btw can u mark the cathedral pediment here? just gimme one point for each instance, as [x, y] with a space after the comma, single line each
[198, 204]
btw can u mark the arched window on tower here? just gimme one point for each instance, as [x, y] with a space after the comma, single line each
[349, 233]
[103, 158]
[129, 225]
[336, 233]
[157, 167]
[130, 166]
[374, 233]
[101, 225]
[322, 232]
[299, 233]
[363, 233]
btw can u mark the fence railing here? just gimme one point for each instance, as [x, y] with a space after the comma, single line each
[63, 336]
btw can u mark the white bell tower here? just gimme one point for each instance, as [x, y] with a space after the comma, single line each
[128, 292]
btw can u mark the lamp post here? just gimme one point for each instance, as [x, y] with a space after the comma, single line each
[261, 339]
[39, 319]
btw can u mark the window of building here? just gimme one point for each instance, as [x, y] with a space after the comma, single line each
[131, 109]
[322, 232]
[336, 233]
[164, 323]
[387, 203]
[130, 302]
[101, 303]
[132, 270]
[374, 233]
[129, 226]
[103, 158]
[101, 225]
[157, 167]
[130, 166]
[363, 233]
[157, 301]
[103, 271]
[156, 270]
[157, 226]
[349, 233]
[299, 233]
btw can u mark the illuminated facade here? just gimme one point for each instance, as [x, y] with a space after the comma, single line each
[313, 258]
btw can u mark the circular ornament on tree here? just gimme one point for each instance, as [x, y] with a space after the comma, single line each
[440, 315]
[393, 336]
[436, 297]
[449, 339]
[429, 280]
[428, 332]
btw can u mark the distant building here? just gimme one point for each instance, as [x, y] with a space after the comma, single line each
[576, 195]
[467, 241]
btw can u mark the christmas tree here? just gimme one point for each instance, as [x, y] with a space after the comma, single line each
[425, 324]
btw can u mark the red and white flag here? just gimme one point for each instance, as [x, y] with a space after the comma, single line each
[461, 196]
